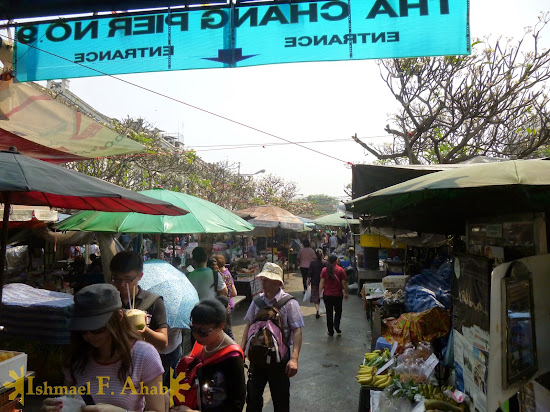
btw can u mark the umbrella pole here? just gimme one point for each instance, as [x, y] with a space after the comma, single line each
[5, 223]
[287, 254]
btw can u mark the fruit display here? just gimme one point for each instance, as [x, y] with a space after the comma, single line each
[437, 405]
[366, 376]
[377, 358]
[5, 355]
[436, 398]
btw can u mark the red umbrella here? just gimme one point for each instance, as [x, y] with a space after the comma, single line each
[28, 181]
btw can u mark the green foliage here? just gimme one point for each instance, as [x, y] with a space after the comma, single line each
[163, 165]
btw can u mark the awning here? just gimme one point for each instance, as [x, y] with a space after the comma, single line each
[45, 129]
[367, 179]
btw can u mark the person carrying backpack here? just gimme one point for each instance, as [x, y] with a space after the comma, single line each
[203, 278]
[214, 371]
[272, 340]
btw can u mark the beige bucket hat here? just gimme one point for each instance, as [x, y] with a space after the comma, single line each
[272, 271]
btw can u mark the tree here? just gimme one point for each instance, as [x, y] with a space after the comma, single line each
[323, 204]
[164, 165]
[159, 165]
[453, 108]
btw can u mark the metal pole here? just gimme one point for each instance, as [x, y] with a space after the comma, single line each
[5, 223]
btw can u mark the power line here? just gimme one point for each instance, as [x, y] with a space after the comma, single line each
[190, 105]
[252, 145]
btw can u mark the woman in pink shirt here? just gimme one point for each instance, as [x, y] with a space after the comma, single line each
[333, 288]
[107, 354]
[305, 256]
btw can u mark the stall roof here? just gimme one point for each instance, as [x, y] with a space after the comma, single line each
[367, 179]
[42, 127]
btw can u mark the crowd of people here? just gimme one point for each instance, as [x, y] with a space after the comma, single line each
[105, 344]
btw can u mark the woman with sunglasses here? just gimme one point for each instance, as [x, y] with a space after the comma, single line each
[221, 382]
[109, 357]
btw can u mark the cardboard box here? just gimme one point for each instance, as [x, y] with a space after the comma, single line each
[395, 281]
[12, 364]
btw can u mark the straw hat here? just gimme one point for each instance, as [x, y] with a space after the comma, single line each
[272, 271]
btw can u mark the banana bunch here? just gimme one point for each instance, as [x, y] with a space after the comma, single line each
[377, 358]
[381, 381]
[367, 377]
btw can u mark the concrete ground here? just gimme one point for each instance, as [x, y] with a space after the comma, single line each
[327, 365]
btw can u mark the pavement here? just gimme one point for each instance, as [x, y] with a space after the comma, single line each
[327, 365]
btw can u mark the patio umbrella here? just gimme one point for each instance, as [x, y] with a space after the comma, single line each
[27, 181]
[441, 202]
[179, 295]
[336, 219]
[204, 217]
[271, 216]
[268, 216]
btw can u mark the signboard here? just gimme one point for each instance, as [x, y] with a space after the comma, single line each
[241, 36]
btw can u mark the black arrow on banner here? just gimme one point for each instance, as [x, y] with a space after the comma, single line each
[229, 56]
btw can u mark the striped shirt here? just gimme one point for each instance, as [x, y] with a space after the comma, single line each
[105, 387]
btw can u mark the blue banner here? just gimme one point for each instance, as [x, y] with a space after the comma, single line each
[242, 36]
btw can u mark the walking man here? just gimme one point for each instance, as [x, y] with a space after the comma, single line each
[278, 374]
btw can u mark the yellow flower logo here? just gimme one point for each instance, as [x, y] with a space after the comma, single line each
[18, 384]
[176, 386]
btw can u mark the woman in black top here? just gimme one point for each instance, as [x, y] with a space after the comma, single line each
[315, 268]
[221, 383]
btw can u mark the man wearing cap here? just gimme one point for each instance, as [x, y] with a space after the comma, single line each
[277, 374]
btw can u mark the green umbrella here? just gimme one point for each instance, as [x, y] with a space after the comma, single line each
[336, 219]
[203, 217]
[441, 202]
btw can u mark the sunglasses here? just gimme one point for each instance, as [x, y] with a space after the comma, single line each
[120, 281]
[95, 332]
[203, 333]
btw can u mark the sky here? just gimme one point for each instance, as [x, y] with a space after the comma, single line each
[299, 102]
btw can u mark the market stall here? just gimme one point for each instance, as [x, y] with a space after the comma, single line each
[497, 280]
[28, 181]
[268, 218]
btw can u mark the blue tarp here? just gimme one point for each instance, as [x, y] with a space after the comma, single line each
[430, 288]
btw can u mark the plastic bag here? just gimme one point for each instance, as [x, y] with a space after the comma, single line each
[307, 294]
[322, 308]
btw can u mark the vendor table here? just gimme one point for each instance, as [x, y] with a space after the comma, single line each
[238, 299]
[248, 287]
[371, 299]
[369, 275]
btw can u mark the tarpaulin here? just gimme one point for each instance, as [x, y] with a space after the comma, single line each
[417, 327]
[43, 128]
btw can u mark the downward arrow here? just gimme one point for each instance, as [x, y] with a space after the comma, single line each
[229, 56]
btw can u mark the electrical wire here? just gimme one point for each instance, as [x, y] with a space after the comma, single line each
[193, 106]
[251, 145]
